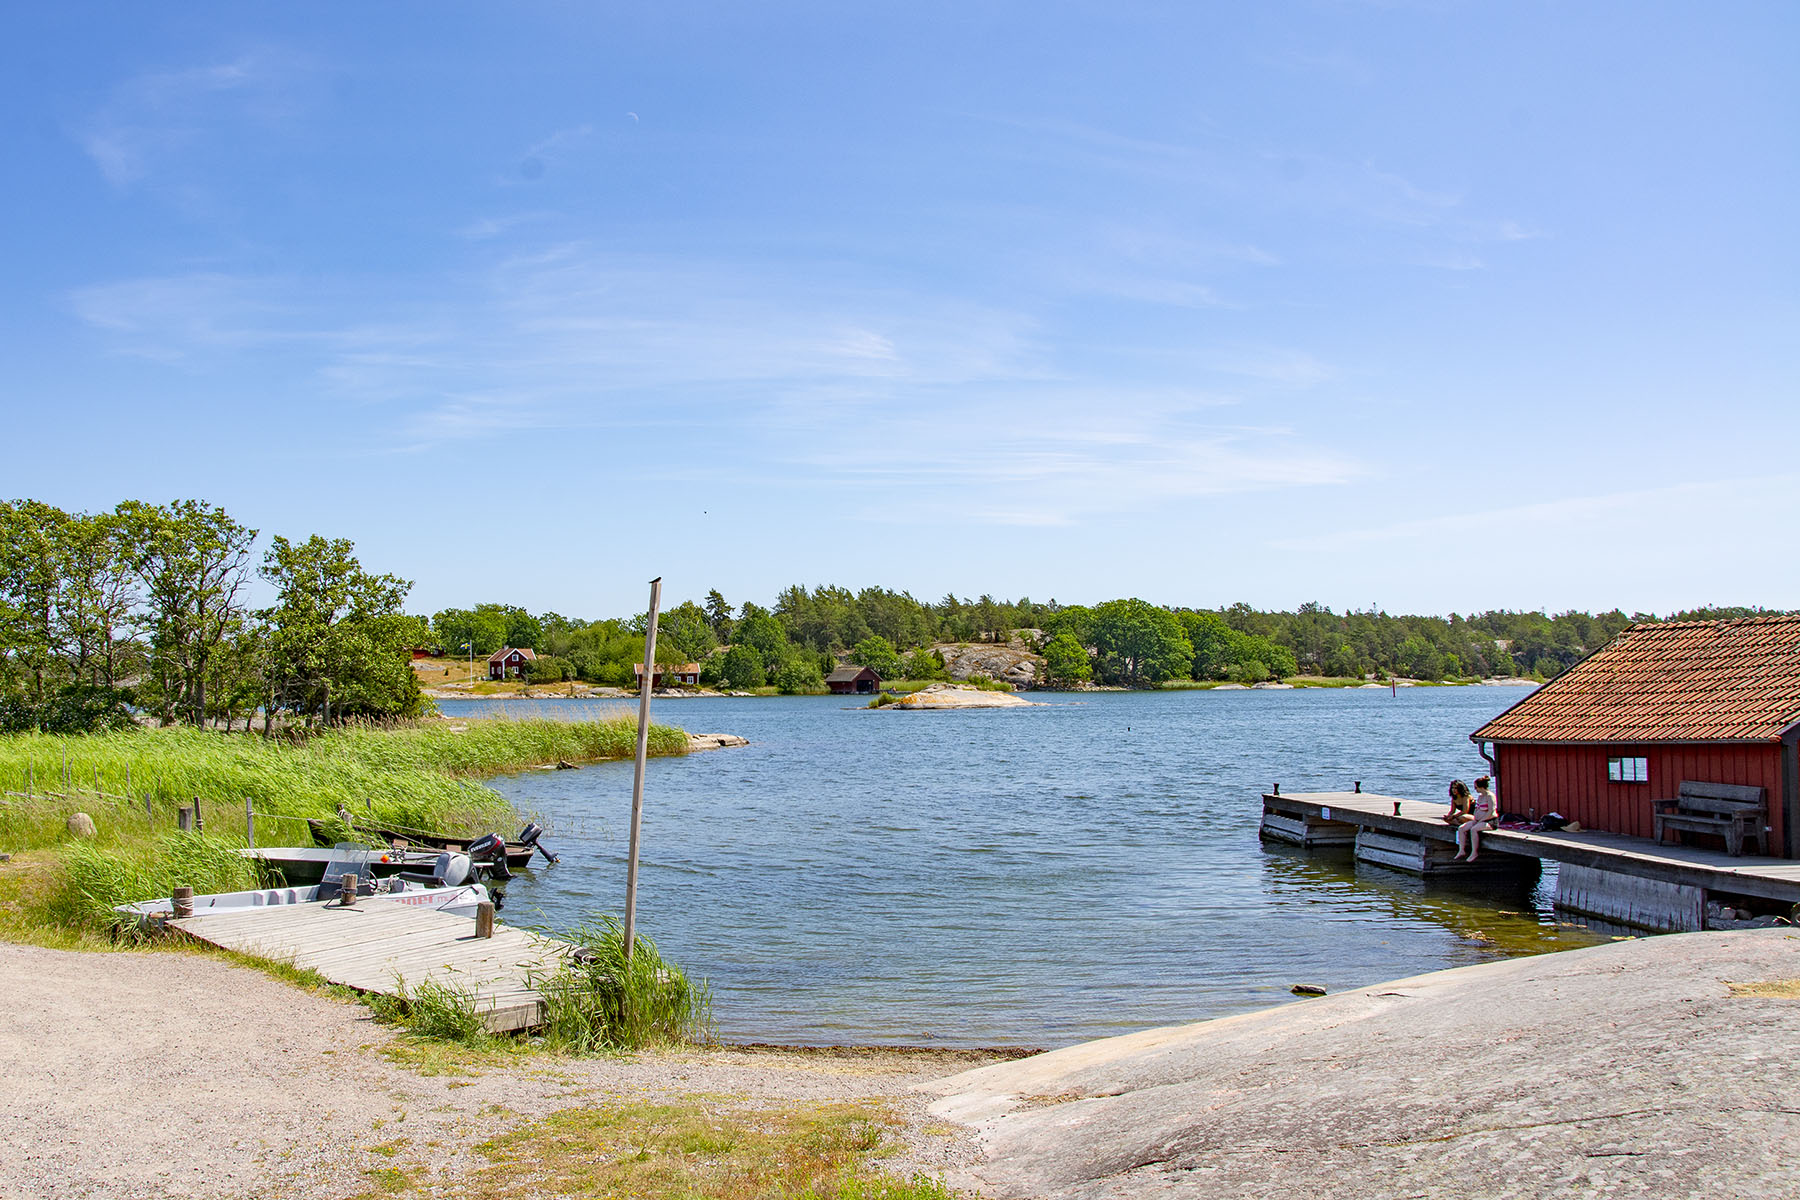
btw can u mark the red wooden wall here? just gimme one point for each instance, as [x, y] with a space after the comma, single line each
[1571, 780]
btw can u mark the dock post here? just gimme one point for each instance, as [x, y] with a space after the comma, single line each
[637, 778]
[347, 885]
[484, 919]
[181, 901]
[249, 824]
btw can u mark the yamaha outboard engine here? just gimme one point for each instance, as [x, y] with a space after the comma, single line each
[529, 836]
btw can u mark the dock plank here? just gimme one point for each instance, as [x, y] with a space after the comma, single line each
[380, 948]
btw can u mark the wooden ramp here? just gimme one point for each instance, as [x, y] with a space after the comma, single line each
[379, 948]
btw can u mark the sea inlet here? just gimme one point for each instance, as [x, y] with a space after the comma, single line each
[1032, 876]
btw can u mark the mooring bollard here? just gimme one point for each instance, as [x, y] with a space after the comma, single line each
[1396, 808]
[1277, 790]
[181, 901]
[1359, 787]
[484, 919]
[347, 890]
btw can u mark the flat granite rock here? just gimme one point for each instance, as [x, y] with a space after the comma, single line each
[1630, 1069]
[951, 695]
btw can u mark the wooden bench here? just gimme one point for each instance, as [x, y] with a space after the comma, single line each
[1733, 811]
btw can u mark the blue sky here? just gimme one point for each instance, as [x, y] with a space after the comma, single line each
[1437, 306]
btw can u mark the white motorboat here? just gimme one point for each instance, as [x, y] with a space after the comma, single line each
[447, 888]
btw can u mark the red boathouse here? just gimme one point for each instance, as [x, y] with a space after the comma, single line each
[1660, 705]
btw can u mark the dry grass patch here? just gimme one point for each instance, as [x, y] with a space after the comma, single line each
[1767, 989]
[701, 1151]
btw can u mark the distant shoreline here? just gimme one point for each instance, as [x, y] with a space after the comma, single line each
[1185, 686]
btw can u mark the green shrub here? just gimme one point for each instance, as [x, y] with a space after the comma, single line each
[548, 668]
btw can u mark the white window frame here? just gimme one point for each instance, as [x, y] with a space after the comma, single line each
[1627, 768]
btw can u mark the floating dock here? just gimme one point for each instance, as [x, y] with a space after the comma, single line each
[384, 948]
[1632, 880]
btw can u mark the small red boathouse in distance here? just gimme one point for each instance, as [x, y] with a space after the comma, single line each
[1659, 706]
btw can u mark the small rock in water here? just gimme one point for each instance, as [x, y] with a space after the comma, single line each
[1307, 989]
[81, 825]
[563, 764]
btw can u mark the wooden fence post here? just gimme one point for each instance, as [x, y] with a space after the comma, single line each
[249, 824]
[199, 821]
[484, 919]
[184, 819]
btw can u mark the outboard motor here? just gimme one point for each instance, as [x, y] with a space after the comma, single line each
[489, 853]
[529, 836]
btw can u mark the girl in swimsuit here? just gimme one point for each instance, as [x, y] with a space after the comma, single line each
[1482, 812]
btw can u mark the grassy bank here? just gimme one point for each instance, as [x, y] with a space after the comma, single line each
[425, 776]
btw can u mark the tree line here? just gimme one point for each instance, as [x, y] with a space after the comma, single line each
[144, 609]
[1127, 642]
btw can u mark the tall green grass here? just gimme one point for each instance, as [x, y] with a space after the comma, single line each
[424, 776]
[598, 1000]
[89, 881]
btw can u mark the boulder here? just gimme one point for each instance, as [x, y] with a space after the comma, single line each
[81, 825]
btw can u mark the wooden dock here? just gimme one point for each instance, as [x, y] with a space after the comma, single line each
[1612, 875]
[382, 948]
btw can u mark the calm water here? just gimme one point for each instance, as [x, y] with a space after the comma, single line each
[1029, 876]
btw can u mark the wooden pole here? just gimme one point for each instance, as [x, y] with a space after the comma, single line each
[484, 919]
[148, 814]
[181, 901]
[249, 824]
[199, 821]
[347, 885]
[184, 818]
[637, 777]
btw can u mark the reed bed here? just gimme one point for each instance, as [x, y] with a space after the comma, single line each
[423, 776]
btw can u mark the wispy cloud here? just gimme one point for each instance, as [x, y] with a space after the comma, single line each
[153, 118]
[795, 374]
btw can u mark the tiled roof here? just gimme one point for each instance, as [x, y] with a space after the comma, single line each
[1691, 681]
[506, 651]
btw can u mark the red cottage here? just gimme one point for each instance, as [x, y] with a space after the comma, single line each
[1686, 701]
[509, 663]
[677, 675]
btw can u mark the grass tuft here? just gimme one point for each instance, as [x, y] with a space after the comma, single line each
[597, 1000]
[435, 1012]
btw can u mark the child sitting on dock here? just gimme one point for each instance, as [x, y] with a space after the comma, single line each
[1482, 813]
[1459, 803]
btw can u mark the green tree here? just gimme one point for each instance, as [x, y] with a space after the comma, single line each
[878, 654]
[338, 637]
[924, 664]
[742, 668]
[193, 560]
[1214, 644]
[1066, 661]
[1140, 644]
[687, 631]
[798, 674]
[762, 633]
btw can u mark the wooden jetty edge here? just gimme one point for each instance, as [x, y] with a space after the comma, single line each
[381, 948]
[1632, 880]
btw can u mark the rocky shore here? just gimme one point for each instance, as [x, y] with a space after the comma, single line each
[1656, 1067]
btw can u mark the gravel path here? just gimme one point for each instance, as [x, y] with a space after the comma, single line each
[159, 1074]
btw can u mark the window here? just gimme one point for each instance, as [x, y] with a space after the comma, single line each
[1628, 770]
